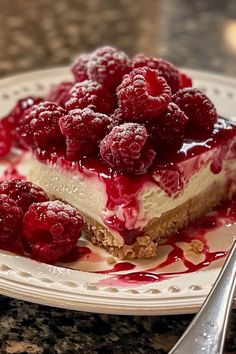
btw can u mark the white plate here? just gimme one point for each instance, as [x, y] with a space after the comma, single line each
[80, 290]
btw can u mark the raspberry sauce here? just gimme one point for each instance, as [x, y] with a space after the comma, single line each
[223, 216]
[118, 267]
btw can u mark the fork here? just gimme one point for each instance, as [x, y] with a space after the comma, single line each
[206, 333]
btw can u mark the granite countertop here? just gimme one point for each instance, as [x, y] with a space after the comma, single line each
[197, 34]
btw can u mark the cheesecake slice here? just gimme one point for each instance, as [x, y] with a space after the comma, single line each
[129, 214]
[133, 146]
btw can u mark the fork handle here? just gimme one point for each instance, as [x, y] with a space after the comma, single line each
[206, 333]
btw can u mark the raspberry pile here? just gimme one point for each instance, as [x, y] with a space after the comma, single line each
[126, 111]
[48, 229]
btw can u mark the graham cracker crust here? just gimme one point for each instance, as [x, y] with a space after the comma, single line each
[146, 246]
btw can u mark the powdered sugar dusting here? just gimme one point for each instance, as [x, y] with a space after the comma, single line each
[107, 65]
[83, 130]
[143, 95]
[125, 148]
[91, 94]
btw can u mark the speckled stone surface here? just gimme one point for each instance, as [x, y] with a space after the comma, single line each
[44, 33]
[30, 328]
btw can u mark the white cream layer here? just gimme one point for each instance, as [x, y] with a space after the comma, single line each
[88, 194]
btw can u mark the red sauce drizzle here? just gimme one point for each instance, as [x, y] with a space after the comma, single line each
[118, 267]
[223, 215]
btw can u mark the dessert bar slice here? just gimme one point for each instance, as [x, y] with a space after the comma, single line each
[129, 214]
[133, 146]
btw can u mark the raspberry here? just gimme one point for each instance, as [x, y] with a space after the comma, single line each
[39, 125]
[93, 95]
[185, 80]
[10, 218]
[168, 130]
[79, 68]
[126, 148]
[6, 140]
[13, 118]
[50, 253]
[108, 66]
[83, 130]
[198, 107]
[23, 193]
[164, 67]
[9, 123]
[60, 93]
[143, 95]
[51, 229]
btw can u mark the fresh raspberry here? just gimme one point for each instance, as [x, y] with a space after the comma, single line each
[198, 107]
[51, 229]
[83, 130]
[10, 218]
[164, 67]
[39, 126]
[143, 95]
[12, 119]
[60, 93]
[50, 253]
[126, 148]
[91, 94]
[80, 67]
[9, 124]
[6, 140]
[185, 80]
[108, 66]
[23, 193]
[168, 130]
